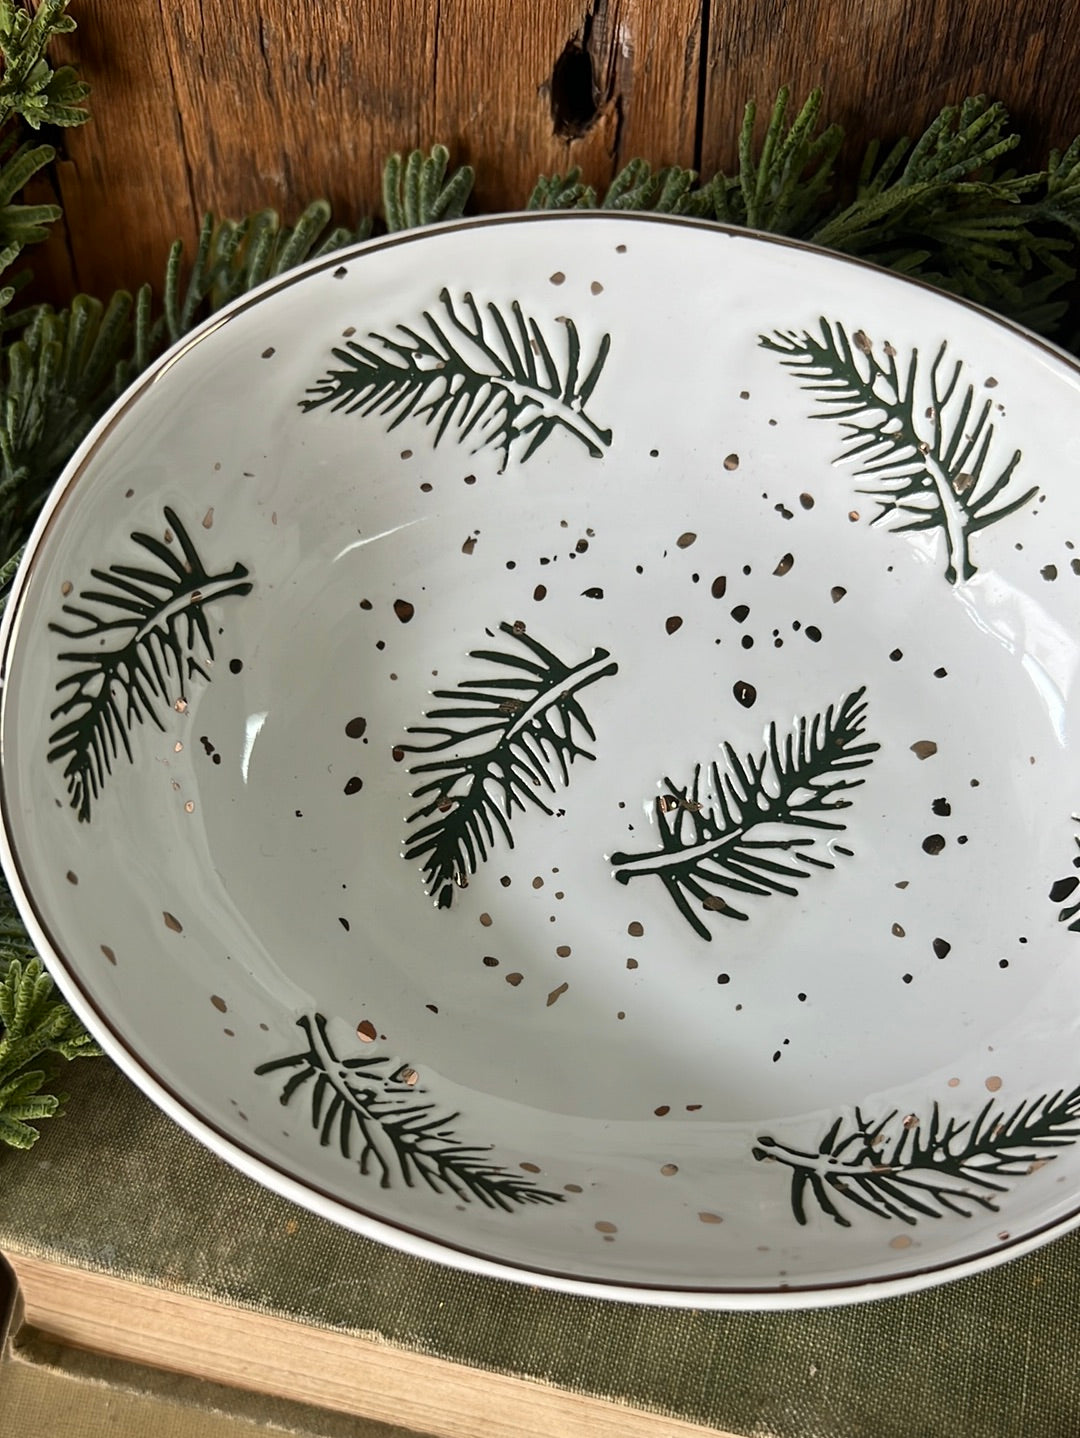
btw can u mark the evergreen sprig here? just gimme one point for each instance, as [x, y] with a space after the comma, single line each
[368, 1106]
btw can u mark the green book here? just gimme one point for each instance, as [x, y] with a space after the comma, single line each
[124, 1214]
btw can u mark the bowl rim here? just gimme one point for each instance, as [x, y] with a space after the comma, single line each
[352, 1215]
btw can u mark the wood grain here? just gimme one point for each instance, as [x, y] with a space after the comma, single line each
[240, 104]
[234, 105]
[347, 1372]
[889, 66]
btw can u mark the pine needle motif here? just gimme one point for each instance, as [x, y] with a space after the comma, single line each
[373, 1115]
[1063, 889]
[732, 834]
[480, 375]
[923, 442]
[505, 735]
[154, 622]
[908, 1169]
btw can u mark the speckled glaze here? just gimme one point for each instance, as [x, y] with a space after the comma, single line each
[549, 740]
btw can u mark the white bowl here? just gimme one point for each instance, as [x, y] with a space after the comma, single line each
[549, 740]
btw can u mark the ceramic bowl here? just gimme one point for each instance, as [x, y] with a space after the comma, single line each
[549, 741]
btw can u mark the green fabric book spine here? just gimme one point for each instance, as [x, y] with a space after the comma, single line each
[123, 1191]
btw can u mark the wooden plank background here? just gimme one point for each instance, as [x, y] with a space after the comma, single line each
[233, 105]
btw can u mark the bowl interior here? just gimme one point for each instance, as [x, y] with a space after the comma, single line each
[536, 810]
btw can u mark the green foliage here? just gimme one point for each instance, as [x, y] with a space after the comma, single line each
[29, 86]
[37, 1031]
[417, 192]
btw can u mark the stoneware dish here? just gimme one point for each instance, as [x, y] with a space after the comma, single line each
[550, 741]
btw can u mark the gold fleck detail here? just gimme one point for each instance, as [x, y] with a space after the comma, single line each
[572, 1187]
[72, 877]
[557, 278]
[714, 902]
[604, 1226]
[485, 919]
[784, 565]
[924, 748]
[853, 515]
[731, 462]
[366, 1031]
[635, 930]
[898, 931]
[189, 807]
[563, 951]
[862, 341]
[181, 706]
[631, 963]
[514, 979]
[208, 518]
[66, 587]
[219, 1003]
[954, 1083]
[993, 1083]
[273, 517]
[684, 541]
[178, 748]
[172, 922]
[556, 994]
[408, 1076]
[596, 288]
[530, 1167]
[963, 482]
[291, 1226]
[710, 1218]
[669, 1170]
[469, 545]
[900, 1241]
[108, 953]
[663, 1110]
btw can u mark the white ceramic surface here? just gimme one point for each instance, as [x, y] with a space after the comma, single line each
[552, 742]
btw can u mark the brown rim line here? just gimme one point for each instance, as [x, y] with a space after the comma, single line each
[307, 1195]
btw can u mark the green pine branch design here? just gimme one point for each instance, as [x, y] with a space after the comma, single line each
[1063, 889]
[905, 1168]
[496, 744]
[725, 836]
[368, 1106]
[479, 375]
[157, 638]
[925, 448]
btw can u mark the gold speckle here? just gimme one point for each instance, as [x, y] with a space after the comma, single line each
[563, 951]
[530, 1167]
[66, 587]
[621, 1014]
[291, 1226]
[514, 979]
[684, 541]
[605, 1226]
[924, 748]
[189, 807]
[178, 748]
[72, 877]
[208, 518]
[557, 278]
[596, 288]
[108, 954]
[366, 1031]
[993, 1083]
[669, 1170]
[710, 1218]
[273, 517]
[229, 1033]
[181, 706]
[219, 1003]
[556, 994]
[954, 1083]
[631, 963]
[898, 931]
[172, 922]
[408, 1075]
[635, 930]
[485, 919]
[469, 544]
[538, 882]
[853, 515]
[862, 341]
[572, 1187]
[665, 1108]
[900, 1241]
[731, 462]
